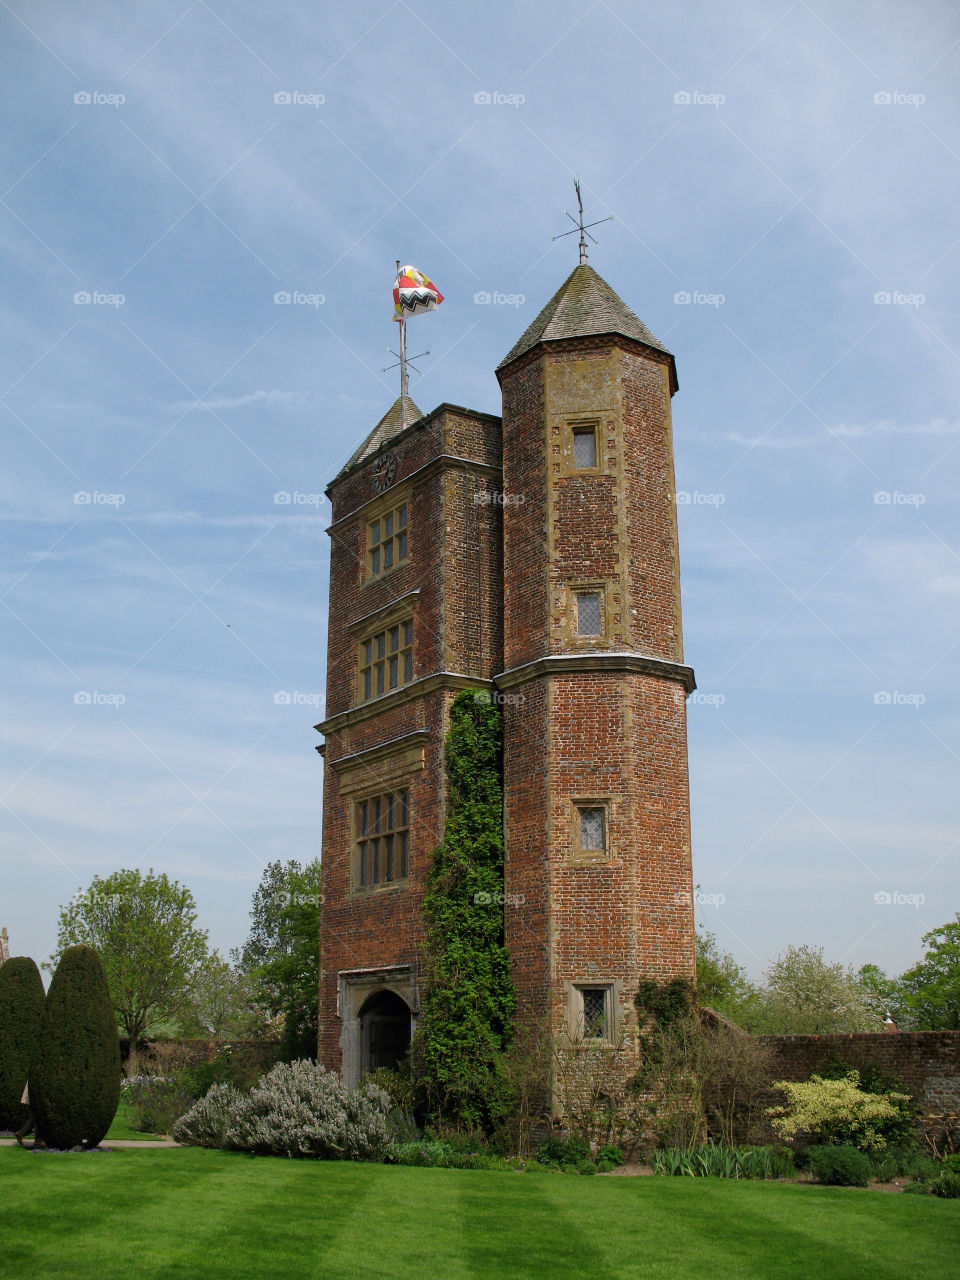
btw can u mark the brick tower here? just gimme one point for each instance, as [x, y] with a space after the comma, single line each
[537, 559]
[598, 878]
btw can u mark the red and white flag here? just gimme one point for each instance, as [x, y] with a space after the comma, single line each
[413, 294]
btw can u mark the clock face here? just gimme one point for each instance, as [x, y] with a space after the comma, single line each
[385, 471]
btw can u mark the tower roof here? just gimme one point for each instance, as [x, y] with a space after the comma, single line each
[584, 305]
[388, 426]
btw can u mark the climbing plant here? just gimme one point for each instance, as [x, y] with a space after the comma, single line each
[469, 997]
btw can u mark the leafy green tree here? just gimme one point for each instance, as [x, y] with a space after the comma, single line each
[281, 957]
[930, 991]
[804, 995]
[144, 929]
[882, 992]
[21, 1009]
[222, 1003]
[75, 1081]
[722, 984]
[469, 1000]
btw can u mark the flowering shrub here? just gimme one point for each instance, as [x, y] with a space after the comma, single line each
[207, 1121]
[301, 1109]
[836, 1111]
[156, 1101]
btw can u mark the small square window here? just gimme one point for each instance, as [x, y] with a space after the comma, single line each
[593, 836]
[584, 448]
[589, 613]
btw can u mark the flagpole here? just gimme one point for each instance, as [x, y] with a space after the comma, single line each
[403, 368]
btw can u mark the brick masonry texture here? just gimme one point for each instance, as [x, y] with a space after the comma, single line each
[490, 585]
[924, 1064]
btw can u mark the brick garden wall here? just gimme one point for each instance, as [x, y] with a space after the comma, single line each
[925, 1064]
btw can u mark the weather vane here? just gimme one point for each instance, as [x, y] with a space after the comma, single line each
[413, 294]
[578, 224]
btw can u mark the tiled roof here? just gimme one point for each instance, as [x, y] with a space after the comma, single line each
[388, 426]
[583, 305]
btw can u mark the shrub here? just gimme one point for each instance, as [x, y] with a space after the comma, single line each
[207, 1121]
[75, 1084]
[951, 1162]
[432, 1153]
[21, 1009]
[839, 1166]
[901, 1162]
[562, 1152]
[836, 1111]
[157, 1102]
[301, 1109]
[945, 1184]
[611, 1154]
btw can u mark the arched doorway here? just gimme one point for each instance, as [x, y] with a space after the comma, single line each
[385, 1030]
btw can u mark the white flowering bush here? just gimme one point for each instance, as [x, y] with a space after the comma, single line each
[835, 1111]
[207, 1121]
[301, 1109]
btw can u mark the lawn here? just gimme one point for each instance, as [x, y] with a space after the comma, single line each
[211, 1215]
[122, 1127]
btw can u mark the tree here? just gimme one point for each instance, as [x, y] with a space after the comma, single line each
[281, 957]
[21, 1009]
[75, 1081]
[222, 1003]
[930, 991]
[803, 995]
[722, 984]
[469, 1000]
[144, 930]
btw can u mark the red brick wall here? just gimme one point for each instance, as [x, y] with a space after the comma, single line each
[612, 736]
[925, 1064]
[454, 562]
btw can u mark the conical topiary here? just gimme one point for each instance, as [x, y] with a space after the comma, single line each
[75, 1082]
[21, 1008]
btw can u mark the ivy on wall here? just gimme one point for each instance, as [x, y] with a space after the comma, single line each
[469, 997]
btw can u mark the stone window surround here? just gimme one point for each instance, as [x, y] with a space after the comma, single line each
[581, 856]
[573, 992]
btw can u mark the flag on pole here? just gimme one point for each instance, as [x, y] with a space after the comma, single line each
[413, 294]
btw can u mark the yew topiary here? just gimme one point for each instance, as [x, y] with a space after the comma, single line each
[75, 1082]
[21, 1009]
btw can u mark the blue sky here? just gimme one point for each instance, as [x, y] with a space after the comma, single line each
[792, 169]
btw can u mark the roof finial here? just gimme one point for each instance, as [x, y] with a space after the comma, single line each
[579, 225]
